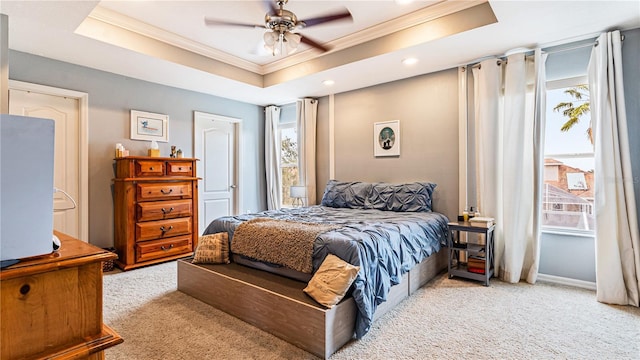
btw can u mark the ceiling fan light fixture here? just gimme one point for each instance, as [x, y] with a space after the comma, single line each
[284, 43]
[270, 38]
[291, 40]
[281, 25]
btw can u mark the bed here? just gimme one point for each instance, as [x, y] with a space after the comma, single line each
[388, 231]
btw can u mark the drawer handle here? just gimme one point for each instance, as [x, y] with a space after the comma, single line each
[151, 168]
[180, 168]
[164, 248]
[166, 192]
[165, 211]
[165, 230]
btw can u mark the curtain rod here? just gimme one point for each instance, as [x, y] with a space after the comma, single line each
[594, 44]
[501, 59]
[499, 62]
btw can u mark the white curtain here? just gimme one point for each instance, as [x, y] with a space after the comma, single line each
[272, 157]
[531, 260]
[509, 114]
[487, 80]
[307, 112]
[617, 240]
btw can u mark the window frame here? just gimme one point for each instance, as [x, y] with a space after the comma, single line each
[556, 85]
[283, 126]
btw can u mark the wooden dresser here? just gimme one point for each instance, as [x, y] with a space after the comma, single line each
[156, 210]
[51, 305]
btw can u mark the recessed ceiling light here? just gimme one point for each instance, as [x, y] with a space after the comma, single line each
[409, 61]
[403, 2]
[328, 82]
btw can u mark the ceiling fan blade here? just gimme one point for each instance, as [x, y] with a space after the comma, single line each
[214, 22]
[270, 6]
[315, 44]
[343, 15]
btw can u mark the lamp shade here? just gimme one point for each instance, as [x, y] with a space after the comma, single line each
[297, 191]
[291, 41]
[281, 43]
[270, 38]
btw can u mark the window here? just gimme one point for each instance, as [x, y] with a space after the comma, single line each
[288, 137]
[569, 158]
[576, 181]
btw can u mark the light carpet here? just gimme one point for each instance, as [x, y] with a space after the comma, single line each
[445, 319]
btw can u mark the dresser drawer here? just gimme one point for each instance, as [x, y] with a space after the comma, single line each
[156, 249]
[158, 210]
[149, 168]
[166, 190]
[163, 228]
[179, 168]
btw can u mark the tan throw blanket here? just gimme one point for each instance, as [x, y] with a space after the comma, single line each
[283, 242]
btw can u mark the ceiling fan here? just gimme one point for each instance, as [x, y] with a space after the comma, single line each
[281, 24]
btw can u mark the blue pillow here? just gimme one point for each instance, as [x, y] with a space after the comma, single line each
[411, 197]
[343, 194]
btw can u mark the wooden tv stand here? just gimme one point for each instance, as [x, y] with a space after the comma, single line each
[51, 305]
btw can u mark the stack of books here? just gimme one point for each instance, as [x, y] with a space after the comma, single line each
[475, 264]
[481, 221]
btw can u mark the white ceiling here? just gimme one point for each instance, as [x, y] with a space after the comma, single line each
[167, 41]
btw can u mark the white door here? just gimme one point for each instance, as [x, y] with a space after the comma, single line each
[216, 144]
[65, 112]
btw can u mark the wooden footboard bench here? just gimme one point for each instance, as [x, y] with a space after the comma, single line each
[278, 305]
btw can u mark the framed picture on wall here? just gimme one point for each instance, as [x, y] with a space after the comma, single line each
[149, 126]
[386, 138]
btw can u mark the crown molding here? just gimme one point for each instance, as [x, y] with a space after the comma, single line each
[116, 19]
[436, 10]
[420, 34]
[433, 11]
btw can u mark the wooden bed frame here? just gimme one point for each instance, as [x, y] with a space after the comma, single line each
[278, 305]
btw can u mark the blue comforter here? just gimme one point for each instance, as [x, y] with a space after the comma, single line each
[385, 244]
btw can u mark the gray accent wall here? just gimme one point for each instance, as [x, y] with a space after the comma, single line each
[111, 97]
[427, 107]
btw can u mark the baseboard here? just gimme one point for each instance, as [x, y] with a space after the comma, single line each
[567, 281]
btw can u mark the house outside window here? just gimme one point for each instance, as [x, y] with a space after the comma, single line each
[568, 193]
[288, 138]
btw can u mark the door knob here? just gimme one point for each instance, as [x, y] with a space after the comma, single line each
[233, 186]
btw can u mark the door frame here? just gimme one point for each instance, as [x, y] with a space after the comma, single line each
[237, 123]
[83, 144]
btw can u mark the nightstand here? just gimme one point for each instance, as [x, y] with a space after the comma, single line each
[52, 305]
[478, 264]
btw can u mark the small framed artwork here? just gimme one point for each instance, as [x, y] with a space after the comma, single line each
[149, 126]
[386, 138]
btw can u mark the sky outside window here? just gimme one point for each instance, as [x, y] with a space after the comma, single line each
[573, 141]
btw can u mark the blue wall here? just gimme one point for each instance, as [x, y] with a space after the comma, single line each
[568, 256]
[111, 97]
[631, 72]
